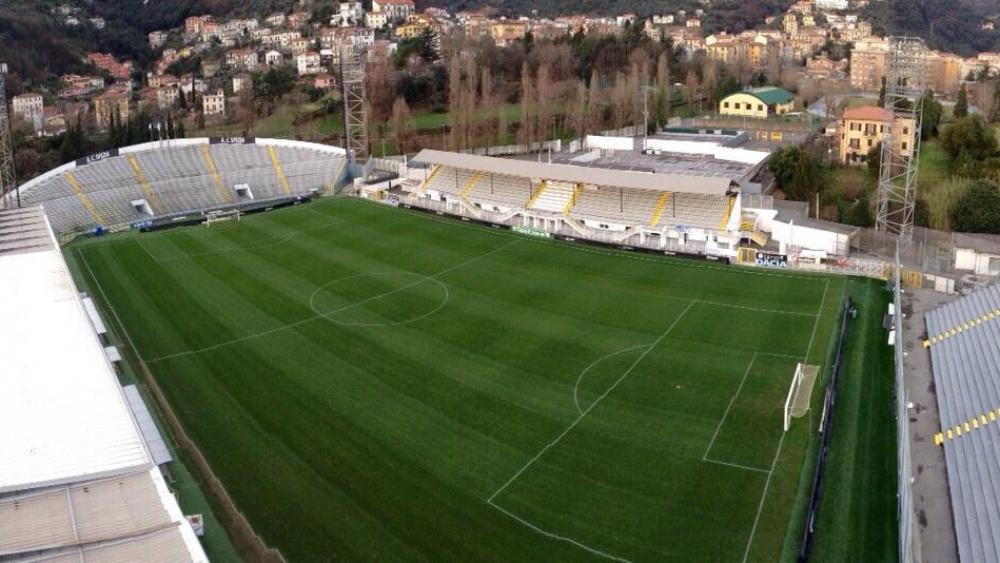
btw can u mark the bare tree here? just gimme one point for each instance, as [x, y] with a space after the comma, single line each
[691, 87]
[528, 111]
[544, 92]
[402, 124]
[580, 110]
[595, 104]
[454, 101]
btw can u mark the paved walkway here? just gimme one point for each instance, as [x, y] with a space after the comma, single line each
[931, 501]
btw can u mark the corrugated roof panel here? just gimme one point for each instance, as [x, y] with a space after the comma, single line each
[966, 368]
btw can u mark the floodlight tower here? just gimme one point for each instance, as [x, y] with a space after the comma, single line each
[897, 185]
[8, 181]
[352, 87]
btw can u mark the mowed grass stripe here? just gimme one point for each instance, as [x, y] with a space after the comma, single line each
[388, 440]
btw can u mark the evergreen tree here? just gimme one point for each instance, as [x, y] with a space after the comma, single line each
[180, 129]
[170, 125]
[881, 94]
[962, 103]
[112, 132]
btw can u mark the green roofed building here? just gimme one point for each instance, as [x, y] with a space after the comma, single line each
[762, 102]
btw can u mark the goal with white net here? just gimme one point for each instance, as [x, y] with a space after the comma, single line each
[797, 402]
[219, 216]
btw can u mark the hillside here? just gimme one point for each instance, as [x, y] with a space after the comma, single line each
[947, 25]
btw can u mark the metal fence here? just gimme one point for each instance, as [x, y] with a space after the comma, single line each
[909, 550]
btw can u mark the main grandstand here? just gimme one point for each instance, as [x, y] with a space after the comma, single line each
[77, 481]
[681, 195]
[140, 183]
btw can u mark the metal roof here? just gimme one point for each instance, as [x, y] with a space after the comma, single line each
[965, 358]
[150, 433]
[770, 95]
[677, 183]
[64, 413]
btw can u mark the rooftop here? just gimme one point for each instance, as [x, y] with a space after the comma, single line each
[868, 113]
[566, 170]
[771, 95]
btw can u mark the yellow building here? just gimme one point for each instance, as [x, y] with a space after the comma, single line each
[410, 29]
[108, 105]
[506, 32]
[862, 129]
[763, 102]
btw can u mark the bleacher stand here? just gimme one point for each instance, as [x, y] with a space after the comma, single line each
[177, 177]
[964, 343]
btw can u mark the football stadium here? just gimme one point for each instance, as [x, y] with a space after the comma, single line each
[595, 354]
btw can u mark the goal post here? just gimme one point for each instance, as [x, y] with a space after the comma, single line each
[797, 401]
[224, 215]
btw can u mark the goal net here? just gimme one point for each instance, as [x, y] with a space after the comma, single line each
[219, 216]
[797, 402]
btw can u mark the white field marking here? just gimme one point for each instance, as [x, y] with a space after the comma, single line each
[330, 315]
[104, 297]
[736, 465]
[732, 400]
[767, 483]
[580, 417]
[314, 317]
[556, 536]
[270, 241]
[664, 259]
[576, 387]
[138, 241]
[757, 309]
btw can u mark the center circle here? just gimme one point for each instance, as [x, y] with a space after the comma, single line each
[379, 299]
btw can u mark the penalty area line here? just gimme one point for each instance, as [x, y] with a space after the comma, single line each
[557, 536]
[569, 428]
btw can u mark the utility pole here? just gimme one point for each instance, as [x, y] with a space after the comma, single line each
[8, 179]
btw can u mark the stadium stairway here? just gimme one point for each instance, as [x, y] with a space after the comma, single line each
[661, 204]
[279, 171]
[730, 204]
[84, 199]
[430, 178]
[962, 327]
[555, 197]
[577, 190]
[213, 171]
[534, 197]
[147, 188]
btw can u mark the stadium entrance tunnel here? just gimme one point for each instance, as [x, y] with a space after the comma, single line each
[379, 299]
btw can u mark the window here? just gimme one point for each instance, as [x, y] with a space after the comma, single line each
[748, 105]
[760, 107]
[904, 145]
[725, 105]
[994, 265]
[855, 143]
[869, 143]
[906, 130]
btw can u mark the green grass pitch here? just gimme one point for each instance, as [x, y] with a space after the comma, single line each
[374, 383]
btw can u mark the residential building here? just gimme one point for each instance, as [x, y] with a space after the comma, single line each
[109, 104]
[506, 32]
[308, 63]
[157, 39]
[214, 104]
[862, 129]
[376, 19]
[275, 20]
[395, 10]
[242, 82]
[107, 63]
[351, 13]
[868, 65]
[167, 96]
[765, 102]
[244, 59]
[274, 58]
[195, 24]
[31, 108]
[832, 4]
[323, 81]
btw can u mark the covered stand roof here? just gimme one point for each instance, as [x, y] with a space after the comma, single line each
[965, 356]
[677, 183]
[77, 482]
